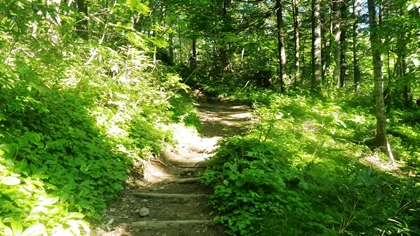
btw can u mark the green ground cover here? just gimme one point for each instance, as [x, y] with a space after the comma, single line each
[307, 167]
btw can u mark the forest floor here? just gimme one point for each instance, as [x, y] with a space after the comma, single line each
[166, 190]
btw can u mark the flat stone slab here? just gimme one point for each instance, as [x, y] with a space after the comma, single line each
[201, 164]
[167, 224]
[188, 180]
[171, 197]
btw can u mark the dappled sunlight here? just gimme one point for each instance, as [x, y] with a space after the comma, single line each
[228, 119]
[292, 111]
[189, 141]
[224, 119]
[189, 151]
[193, 148]
[377, 162]
[178, 163]
[154, 173]
[330, 170]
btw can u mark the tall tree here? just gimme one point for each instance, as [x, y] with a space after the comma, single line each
[375, 41]
[316, 48]
[401, 67]
[226, 30]
[336, 32]
[82, 28]
[296, 40]
[355, 31]
[343, 44]
[281, 47]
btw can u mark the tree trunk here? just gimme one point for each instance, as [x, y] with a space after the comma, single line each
[296, 40]
[82, 20]
[336, 31]
[343, 48]
[402, 67]
[227, 27]
[194, 47]
[281, 49]
[356, 66]
[316, 48]
[327, 42]
[380, 139]
[171, 48]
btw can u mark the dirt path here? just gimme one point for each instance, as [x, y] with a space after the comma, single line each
[168, 192]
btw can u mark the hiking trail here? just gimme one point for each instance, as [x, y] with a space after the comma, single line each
[166, 197]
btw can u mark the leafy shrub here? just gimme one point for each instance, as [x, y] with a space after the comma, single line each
[310, 159]
[246, 182]
[69, 135]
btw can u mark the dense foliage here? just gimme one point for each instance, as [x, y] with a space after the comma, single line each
[87, 87]
[308, 167]
[67, 145]
[75, 119]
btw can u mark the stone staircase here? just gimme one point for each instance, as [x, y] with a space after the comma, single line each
[164, 196]
[176, 206]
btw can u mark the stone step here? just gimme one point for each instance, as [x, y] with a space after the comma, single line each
[171, 197]
[188, 164]
[187, 180]
[201, 164]
[155, 224]
[190, 172]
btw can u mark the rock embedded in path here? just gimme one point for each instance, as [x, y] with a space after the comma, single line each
[144, 211]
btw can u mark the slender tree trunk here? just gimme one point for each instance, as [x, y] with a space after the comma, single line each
[281, 49]
[381, 139]
[327, 43]
[407, 93]
[336, 32]
[194, 47]
[316, 48]
[402, 66]
[343, 37]
[225, 51]
[82, 28]
[171, 48]
[180, 55]
[356, 66]
[296, 40]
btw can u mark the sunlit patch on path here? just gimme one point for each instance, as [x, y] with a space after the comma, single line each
[168, 192]
[193, 148]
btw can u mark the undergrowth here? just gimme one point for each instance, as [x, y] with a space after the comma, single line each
[307, 169]
[69, 137]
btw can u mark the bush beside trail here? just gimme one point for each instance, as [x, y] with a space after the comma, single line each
[69, 138]
[306, 169]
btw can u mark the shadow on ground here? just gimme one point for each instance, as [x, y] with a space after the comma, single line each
[223, 119]
[177, 171]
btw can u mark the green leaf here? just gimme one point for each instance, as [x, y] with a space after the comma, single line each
[10, 180]
[16, 227]
[233, 176]
[240, 182]
[35, 230]
[76, 215]
[234, 167]
[136, 5]
[135, 39]
[32, 217]
[96, 174]
[47, 201]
